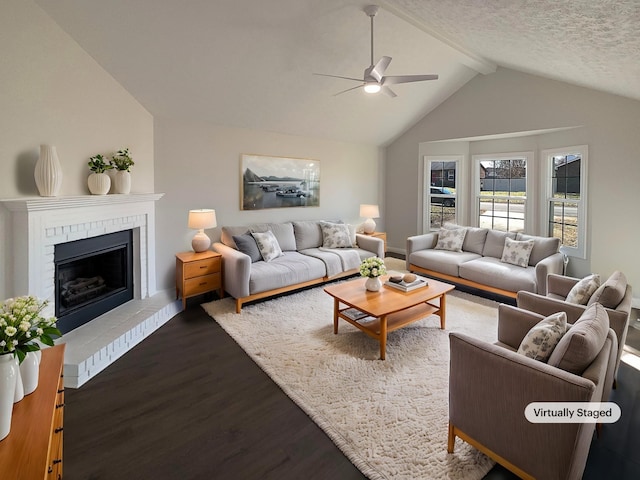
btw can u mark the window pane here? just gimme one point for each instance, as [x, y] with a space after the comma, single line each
[503, 184]
[563, 223]
[441, 215]
[440, 193]
[566, 176]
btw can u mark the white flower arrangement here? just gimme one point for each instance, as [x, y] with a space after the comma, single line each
[22, 325]
[372, 267]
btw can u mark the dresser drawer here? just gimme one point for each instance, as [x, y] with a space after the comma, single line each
[201, 267]
[203, 284]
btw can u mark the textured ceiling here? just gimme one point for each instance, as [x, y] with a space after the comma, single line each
[250, 63]
[592, 43]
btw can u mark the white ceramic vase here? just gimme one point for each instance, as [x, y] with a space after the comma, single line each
[8, 376]
[30, 372]
[18, 392]
[48, 172]
[122, 182]
[99, 183]
[373, 284]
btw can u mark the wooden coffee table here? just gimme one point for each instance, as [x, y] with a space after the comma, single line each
[389, 309]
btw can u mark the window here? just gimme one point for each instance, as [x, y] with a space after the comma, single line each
[501, 191]
[439, 192]
[566, 182]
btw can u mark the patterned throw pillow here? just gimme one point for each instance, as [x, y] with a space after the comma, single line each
[335, 235]
[582, 291]
[540, 341]
[451, 239]
[517, 252]
[268, 245]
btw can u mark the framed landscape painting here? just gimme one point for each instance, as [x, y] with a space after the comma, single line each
[279, 182]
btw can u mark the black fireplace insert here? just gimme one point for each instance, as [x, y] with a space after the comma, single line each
[92, 276]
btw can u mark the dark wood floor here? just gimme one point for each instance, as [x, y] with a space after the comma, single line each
[188, 403]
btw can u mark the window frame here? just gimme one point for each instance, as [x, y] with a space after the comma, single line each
[547, 156]
[529, 210]
[426, 183]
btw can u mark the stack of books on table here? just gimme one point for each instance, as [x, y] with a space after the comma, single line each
[356, 315]
[407, 287]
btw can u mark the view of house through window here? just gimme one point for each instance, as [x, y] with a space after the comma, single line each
[565, 201]
[440, 191]
[503, 193]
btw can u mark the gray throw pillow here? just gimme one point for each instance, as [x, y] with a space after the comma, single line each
[582, 291]
[611, 292]
[582, 342]
[247, 245]
[541, 340]
[268, 245]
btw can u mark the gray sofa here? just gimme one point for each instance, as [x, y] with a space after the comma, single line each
[480, 263]
[307, 258]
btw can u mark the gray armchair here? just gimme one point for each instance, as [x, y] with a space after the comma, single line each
[558, 287]
[490, 385]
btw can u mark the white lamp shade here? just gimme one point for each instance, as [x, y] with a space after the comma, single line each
[369, 211]
[203, 218]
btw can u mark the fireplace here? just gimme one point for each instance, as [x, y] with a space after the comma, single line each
[92, 276]
[32, 228]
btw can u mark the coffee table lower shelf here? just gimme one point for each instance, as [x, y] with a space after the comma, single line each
[379, 327]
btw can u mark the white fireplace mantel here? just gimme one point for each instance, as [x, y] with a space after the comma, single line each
[32, 204]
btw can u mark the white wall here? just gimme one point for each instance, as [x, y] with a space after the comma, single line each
[53, 92]
[198, 166]
[509, 101]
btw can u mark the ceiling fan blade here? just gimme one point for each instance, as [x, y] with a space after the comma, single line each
[338, 76]
[388, 91]
[347, 90]
[378, 70]
[395, 79]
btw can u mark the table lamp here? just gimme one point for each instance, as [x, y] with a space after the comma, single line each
[369, 212]
[199, 220]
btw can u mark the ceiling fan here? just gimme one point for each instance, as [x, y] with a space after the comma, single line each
[374, 79]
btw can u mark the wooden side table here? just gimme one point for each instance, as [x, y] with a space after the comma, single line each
[381, 235]
[198, 273]
[33, 448]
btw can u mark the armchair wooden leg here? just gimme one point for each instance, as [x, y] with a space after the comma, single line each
[452, 439]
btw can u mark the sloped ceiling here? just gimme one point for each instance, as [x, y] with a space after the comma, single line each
[250, 63]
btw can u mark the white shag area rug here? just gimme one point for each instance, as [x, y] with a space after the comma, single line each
[388, 417]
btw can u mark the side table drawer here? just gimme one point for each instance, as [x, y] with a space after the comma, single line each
[201, 267]
[203, 284]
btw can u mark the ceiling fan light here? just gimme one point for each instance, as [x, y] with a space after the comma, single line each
[372, 87]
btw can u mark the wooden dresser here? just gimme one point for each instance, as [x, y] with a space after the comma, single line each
[33, 448]
[198, 273]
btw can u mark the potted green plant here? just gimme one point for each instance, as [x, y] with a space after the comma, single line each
[99, 182]
[122, 162]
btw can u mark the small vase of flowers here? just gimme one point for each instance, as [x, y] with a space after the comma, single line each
[99, 182]
[122, 162]
[372, 268]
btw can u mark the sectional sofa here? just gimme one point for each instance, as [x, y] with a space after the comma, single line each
[263, 260]
[498, 262]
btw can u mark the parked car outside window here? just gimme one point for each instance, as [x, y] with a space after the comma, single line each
[447, 202]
